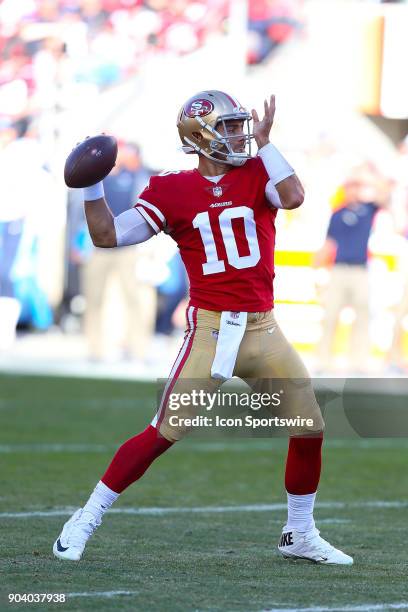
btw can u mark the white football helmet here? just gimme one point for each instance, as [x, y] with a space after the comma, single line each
[198, 125]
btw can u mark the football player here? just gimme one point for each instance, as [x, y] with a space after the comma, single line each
[222, 216]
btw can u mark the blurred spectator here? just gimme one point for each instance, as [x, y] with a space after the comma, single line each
[12, 213]
[364, 192]
[24, 183]
[270, 23]
[128, 178]
[170, 293]
[102, 266]
[397, 362]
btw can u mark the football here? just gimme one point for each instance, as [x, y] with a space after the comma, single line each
[90, 161]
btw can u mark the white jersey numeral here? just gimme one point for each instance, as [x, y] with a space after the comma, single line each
[213, 264]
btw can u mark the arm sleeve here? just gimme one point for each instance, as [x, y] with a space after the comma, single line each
[272, 195]
[152, 213]
[132, 228]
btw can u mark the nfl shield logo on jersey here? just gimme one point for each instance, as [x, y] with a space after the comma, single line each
[217, 191]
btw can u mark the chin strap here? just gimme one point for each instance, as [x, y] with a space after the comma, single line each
[230, 160]
[188, 149]
[234, 161]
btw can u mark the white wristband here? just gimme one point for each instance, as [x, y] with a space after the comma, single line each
[275, 164]
[94, 192]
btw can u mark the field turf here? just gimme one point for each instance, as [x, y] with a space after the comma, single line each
[57, 436]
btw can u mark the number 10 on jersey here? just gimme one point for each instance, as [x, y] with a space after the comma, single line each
[215, 265]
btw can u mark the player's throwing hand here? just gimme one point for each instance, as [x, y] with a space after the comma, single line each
[261, 129]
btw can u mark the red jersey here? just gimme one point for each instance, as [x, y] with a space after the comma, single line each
[225, 232]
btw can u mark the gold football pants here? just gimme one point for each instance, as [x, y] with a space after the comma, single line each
[264, 356]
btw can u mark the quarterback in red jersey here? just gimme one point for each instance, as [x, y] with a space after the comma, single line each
[222, 216]
[225, 232]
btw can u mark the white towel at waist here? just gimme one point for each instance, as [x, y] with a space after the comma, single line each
[232, 330]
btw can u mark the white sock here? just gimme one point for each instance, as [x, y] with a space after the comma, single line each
[300, 512]
[100, 501]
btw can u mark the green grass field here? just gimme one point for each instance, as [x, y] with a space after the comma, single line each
[57, 436]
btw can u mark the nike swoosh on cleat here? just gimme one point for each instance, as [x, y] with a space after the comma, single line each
[60, 548]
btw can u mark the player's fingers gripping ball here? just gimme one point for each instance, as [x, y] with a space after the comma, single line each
[90, 161]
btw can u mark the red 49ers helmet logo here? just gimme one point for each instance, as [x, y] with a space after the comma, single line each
[200, 108]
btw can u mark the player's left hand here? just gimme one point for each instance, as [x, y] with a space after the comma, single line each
[261, 129]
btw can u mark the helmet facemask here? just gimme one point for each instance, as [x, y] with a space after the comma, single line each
[221, 145]
[203, 128]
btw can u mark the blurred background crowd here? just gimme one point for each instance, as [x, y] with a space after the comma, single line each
[72, 68]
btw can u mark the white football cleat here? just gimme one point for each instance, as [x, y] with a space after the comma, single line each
[74, 535]
[309, 545]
